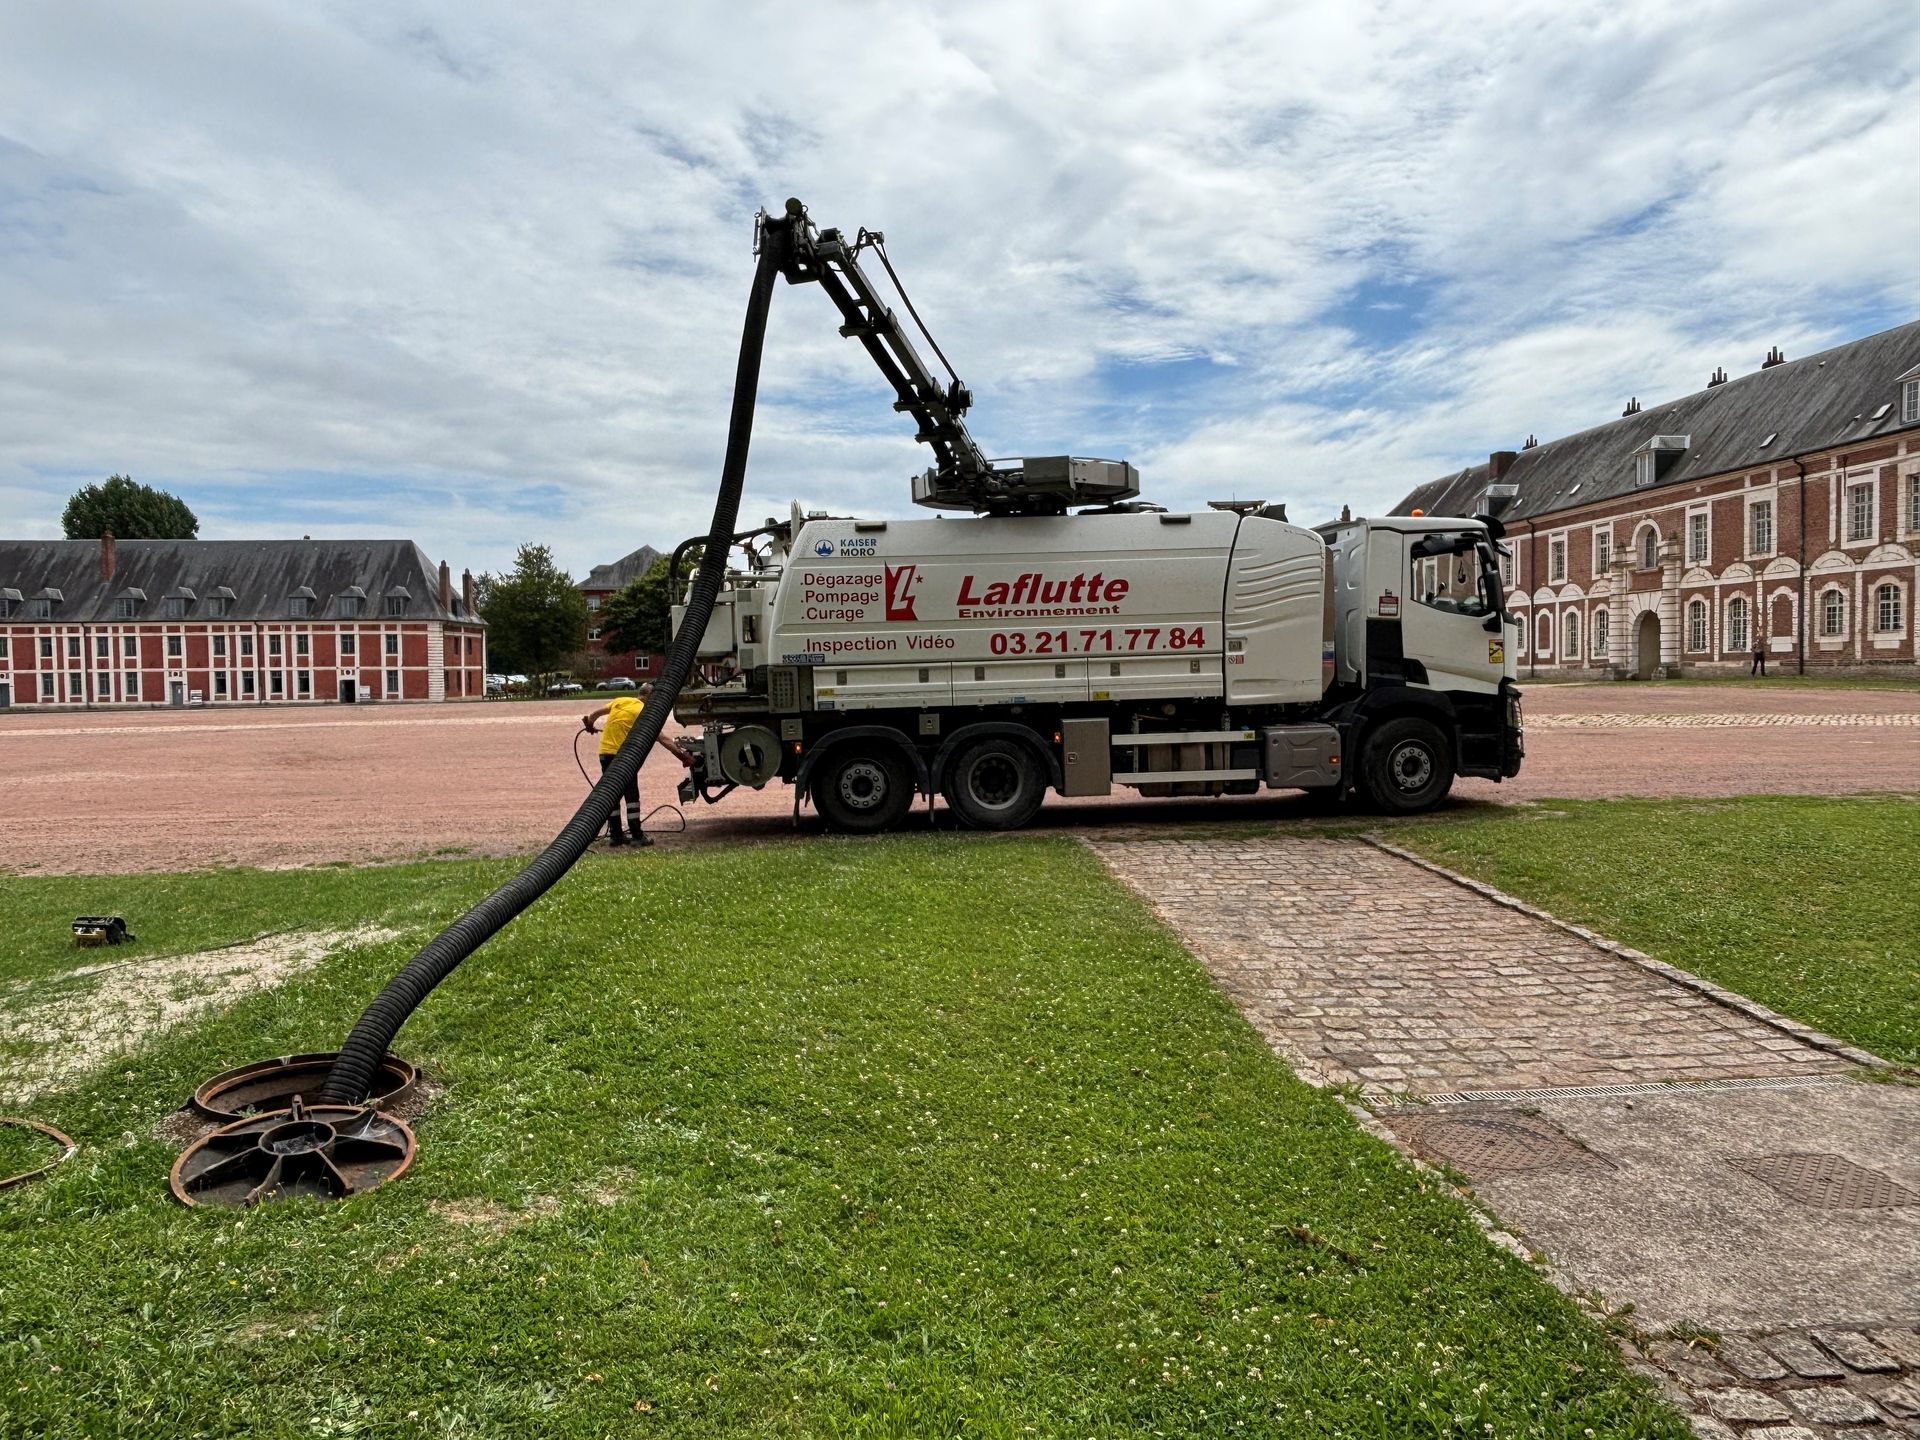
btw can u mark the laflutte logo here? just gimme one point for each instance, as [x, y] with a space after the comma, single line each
[902, 581]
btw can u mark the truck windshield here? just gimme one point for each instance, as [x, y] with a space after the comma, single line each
[1458, 573]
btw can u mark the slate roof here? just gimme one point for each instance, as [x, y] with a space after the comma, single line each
[262, 574]
[622, 572]
[1819, 403]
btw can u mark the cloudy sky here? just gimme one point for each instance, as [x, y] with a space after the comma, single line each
[473, 273]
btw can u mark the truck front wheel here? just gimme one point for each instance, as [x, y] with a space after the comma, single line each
[996, 783]
[1407, 766]
[862, 793]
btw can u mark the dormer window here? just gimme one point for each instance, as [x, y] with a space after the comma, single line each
[395, 600]
[176, 607]
[220, 603]
[300, 603]
[1653, 460]
[349, 602]
[126, 605]
[1910, 401]
[41, 606]
[9, 602]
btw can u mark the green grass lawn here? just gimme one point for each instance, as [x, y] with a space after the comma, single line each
[1806, 905]
[924, 1136]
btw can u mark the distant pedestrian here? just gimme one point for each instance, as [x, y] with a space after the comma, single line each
[1759, 666]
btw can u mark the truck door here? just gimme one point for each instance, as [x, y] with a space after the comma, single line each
[1451, 600]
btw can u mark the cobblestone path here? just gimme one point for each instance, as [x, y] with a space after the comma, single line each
[1363, 968]
[1764, 1236]
[1719, 720]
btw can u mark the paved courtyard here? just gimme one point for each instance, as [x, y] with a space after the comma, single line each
[1669, 1148]
[166, 790]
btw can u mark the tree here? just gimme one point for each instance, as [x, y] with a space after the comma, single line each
[535, 614]
[639, 618]
[131, 511]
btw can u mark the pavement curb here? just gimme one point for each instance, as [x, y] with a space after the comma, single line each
[1728, 999]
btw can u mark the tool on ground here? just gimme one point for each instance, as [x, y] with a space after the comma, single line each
[101, 930]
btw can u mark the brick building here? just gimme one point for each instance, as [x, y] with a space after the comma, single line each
[232, 622]
[1782, 506]
[601, 582]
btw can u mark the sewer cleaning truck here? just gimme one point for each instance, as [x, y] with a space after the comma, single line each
[1069, 637]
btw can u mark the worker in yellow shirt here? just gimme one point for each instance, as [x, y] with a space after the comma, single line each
[620, 715]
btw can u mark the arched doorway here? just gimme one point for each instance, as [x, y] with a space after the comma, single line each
[1646, 645]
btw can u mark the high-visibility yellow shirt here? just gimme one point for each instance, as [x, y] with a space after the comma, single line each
[621, 714]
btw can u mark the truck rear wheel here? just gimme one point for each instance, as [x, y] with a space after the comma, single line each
[862, 793]
[996, 783]
[1407, 766]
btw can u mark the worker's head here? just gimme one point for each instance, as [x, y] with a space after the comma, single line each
[646, 687]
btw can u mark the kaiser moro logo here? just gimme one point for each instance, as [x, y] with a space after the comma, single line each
[902, 581]
[823, 547]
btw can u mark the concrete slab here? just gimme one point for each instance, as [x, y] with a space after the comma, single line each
[1685, 1237]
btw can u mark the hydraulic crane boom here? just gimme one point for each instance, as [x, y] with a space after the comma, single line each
[962, 477]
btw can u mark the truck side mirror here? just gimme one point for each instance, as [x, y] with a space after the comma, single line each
[1493, 623]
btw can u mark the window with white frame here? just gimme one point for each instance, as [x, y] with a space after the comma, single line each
[125, 608]
[102, 647]
[1602, 551]
[1697, 538]
[1860, 512]
[1833, 613]
[1557, 560]
[219, 684]
[300, 643]
[76, 685]
[130, 685]
[1696, 625]
[1737, 612]
[103, 685]
[393, 683]
[304, 683]
[1913, 501]
[246, 646]
[219, 607]
[1545, 647]
[129, 646]
[173, 647]
[40, 609]
[1506, 558]
[276, 684]
[46, 685]
[73, 647]
[1910, 402]
[46, 647]
[1570, 635]
[246, 684]
[392, 644]
[1886, 609]
[176, 607]
[347, 643]
[1760, 527]
[1601, 626]
[300, 607]
[1649, 548]
[220, 647]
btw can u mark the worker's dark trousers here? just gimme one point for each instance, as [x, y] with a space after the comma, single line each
[1759, 666]
[632, 797]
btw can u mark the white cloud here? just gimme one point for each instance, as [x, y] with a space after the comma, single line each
[474, 273]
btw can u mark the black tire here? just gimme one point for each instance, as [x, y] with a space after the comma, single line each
[1406, 766]
[995, 783]
[862, 792]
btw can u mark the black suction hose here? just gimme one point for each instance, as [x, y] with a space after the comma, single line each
[352, 1074]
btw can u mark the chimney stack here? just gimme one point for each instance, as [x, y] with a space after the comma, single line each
[466, 593]
[1719, 376]
[106, 557]
[446, 588]
[1498, 463]
[1529, 442]
[1633, 407]
[1346, 514]
[1774, 357]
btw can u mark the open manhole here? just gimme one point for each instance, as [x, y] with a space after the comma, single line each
[1827, 1182]
[1501, 1142]
[270, 1085]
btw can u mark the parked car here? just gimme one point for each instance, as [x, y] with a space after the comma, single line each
[620, 682]
[565, 687]
[496, 685]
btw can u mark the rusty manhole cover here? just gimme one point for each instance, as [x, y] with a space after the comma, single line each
[1503, 1142]
[1831, 1182]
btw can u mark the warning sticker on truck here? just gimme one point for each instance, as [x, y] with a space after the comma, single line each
[1389, 605]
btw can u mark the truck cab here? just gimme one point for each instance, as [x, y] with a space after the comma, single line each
[1421, 629]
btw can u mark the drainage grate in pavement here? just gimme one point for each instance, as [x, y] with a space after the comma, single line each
[1830, 1182]
[1501, 1143]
